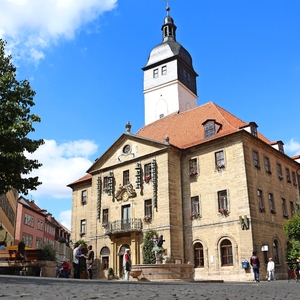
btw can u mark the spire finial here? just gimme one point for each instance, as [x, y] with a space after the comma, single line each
[168, 7]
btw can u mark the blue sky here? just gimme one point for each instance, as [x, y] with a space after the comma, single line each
[84, 58]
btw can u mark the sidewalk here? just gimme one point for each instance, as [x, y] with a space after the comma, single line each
[16, 287]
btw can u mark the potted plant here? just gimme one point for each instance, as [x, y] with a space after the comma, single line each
[110, 273]
[147, 219]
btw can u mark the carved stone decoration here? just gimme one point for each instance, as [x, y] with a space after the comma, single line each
[125, 192]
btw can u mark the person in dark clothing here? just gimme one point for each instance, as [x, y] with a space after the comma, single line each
[254, 262]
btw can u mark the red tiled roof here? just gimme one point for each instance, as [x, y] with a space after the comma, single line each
[186, 129]
[82, 179]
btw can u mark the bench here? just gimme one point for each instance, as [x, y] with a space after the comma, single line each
[12, 255]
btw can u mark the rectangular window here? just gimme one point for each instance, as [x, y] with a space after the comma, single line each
[161, 116]
[294, 178]
[28, 220]
[105, 184]
[220, 160]
[40, 225]
[253, 128]
[155, 73]
[83, 196]
[83, 226]
[193, 169]
[126, 177]
[148, 208]
[222, 200]
[38, 243]
[292, 207]
[256, 160]
[288, 175]
[271, 202]
[105, 216]
[279, 172]
[209, 129]
[105, 262]
[298, 183]
[284, 210]
[164, 70]
[27, 239]
[195, 208]
[260, 200]
[267, 165]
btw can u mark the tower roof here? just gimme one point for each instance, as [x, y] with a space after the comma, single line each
[169, 48]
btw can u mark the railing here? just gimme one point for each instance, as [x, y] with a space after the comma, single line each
[125, 225]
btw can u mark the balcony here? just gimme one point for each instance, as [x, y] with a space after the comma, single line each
[123, 226]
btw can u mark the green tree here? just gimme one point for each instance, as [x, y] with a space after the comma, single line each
[16, 122]
[291, 229]
[148, 254]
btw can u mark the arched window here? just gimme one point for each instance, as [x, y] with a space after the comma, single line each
[275, 252]
[226, 253]
[198, 255]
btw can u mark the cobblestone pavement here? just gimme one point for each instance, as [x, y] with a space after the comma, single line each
[16, 287]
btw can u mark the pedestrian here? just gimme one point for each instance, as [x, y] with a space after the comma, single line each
[66, 268]
[89, 262]
[254, 262]
[2, 247]
[77, 256]
[127, 264]
[271, 269]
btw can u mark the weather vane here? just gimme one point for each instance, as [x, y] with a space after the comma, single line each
[168, 7]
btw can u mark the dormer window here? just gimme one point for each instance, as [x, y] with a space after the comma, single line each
[211, 128]
[253, 129]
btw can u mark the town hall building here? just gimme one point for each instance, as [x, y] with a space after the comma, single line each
[210, 183]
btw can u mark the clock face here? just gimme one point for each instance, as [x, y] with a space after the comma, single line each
[126, 149]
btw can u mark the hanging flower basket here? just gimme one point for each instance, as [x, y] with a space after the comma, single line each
[193, 174]
[147, 178]
[220, 167]
[224, 211]
[147, 219]
[269, 172]
[194, 215]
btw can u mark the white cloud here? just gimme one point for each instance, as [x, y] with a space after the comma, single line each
[65, 218]
[32, 26]
[293, 147]
[62, 164]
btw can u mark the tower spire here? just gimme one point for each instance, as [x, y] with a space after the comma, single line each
[169, 28]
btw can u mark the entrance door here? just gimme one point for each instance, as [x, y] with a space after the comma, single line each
[126, 217]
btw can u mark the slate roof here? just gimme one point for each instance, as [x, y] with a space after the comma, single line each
[186, 129]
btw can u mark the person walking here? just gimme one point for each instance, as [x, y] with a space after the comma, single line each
[254, 262]
[89, 262]
[77, 255]
[271, 269]
[127, 264]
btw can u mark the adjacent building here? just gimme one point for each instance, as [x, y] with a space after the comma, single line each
[210, 183]
[36, 227]
[8, 210]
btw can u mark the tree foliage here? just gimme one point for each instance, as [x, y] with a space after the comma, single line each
[148, 254]
[16, 122]
[292, 228]
[49, 253]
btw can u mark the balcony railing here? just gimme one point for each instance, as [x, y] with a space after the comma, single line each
[125, 225]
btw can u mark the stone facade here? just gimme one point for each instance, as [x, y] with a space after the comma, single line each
[245, 226]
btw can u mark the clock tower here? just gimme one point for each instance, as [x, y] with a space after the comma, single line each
[169, 77]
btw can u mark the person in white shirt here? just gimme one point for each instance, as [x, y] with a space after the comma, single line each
[271, 269]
